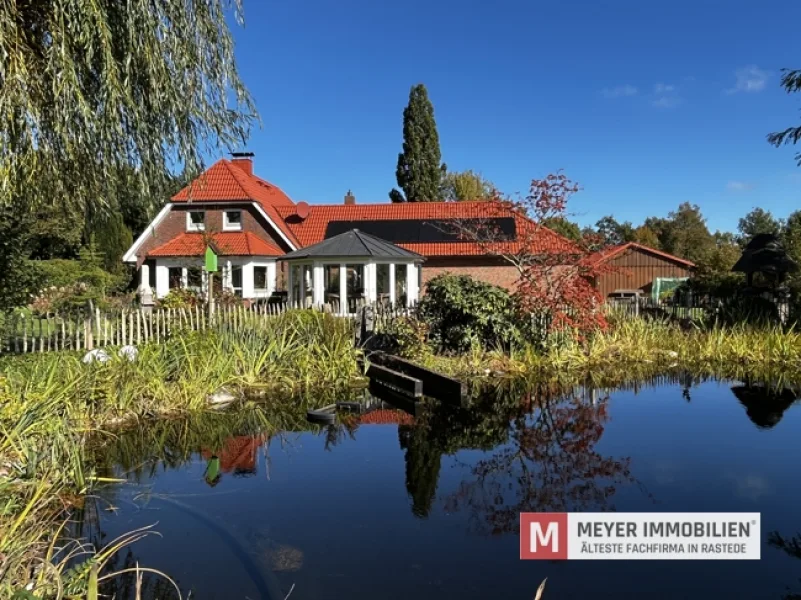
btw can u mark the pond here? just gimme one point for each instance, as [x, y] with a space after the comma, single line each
[389, 505]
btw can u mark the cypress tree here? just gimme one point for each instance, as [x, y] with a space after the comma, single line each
[419, 171]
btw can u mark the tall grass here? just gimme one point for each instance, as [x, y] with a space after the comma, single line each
[52, 404]
[636, 347]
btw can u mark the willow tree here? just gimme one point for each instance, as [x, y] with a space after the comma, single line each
[90, 88]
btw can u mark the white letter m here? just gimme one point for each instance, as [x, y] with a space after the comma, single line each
[549, 538]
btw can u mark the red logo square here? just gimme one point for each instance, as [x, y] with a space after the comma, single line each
[543, 536]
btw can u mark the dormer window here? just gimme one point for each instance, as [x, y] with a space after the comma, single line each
[195, 220]
[232, 220]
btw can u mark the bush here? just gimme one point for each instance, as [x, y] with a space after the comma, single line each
[405, 337]
[181, 298]
[462, 313]
[68, 285]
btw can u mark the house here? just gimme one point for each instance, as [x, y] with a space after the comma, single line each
[636, 268]
[253, 226]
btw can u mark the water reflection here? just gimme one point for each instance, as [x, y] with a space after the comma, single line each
[515, 449]
[237, 456]
[764, 404]
[549, 463]
[791, 547]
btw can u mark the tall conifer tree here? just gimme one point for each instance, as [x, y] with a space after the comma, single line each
[419, 171]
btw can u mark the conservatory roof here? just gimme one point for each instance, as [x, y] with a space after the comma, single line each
[356, 244]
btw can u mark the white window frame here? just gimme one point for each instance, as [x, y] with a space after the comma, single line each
[190, 226]
[227, 226]
[268, 284]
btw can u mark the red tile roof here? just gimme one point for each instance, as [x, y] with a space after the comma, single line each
[224, 181]
[227, 244]
[312, 229]
[612, 251]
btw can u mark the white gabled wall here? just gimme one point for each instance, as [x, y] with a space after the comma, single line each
[246, 262]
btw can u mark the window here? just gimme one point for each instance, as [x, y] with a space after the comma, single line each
[236, 280]
[195, 220]
[175, 275]
[295, 284]
[382, 282]
[308, 281]
[400, 283]
[232, 220]
[331, 284]
[194, 278]
[260, 278]
[355, 281]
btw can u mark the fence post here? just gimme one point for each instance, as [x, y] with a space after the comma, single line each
[88, 338]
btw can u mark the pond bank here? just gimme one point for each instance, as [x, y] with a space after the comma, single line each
[52, 405]
[636, 349]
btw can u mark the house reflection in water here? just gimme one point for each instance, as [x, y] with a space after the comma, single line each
[237, 456]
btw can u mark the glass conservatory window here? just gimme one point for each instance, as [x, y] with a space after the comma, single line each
[331, 283]
[401, 283]
[308, 282]
[296, 284]
[382, 282]
[355, 284]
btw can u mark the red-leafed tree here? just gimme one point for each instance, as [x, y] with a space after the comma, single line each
[556, 283]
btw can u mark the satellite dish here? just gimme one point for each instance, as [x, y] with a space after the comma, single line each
[302, 209]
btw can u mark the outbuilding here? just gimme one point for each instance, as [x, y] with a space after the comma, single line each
[634, 268]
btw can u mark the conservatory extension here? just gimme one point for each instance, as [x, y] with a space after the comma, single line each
[351, 269]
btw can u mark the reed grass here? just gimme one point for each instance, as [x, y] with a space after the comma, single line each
[52, 405]
[642, 348]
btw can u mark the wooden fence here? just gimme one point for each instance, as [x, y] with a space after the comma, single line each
[23, 332]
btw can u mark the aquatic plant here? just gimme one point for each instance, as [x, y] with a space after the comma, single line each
[52, 405]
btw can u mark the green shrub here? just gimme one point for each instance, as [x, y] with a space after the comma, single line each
[462, 313]
[406, 337]
[68, 285]
[181, 298]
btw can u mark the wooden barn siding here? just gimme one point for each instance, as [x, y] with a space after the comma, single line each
[637, 270]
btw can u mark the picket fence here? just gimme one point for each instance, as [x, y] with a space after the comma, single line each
[86, 330]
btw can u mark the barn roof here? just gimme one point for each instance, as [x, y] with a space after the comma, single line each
[611, 252]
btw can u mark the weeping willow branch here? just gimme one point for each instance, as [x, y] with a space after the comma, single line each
[89, 88]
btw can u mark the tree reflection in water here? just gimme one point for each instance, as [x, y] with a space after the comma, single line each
[543, 458]
[792, 547]
[765, 404]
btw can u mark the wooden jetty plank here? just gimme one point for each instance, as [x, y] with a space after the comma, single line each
[405, 384]
[435, 385]
[393, 398]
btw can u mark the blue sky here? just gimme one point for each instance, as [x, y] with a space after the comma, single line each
[646, 104]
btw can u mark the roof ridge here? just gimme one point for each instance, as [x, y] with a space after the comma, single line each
[236, 172]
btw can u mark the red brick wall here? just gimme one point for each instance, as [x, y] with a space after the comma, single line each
[175, 223]
[484, 268]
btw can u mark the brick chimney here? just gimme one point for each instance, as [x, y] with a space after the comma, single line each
[350, 199]
[243, 160]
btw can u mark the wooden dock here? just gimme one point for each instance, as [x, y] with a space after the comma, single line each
[413, 380]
